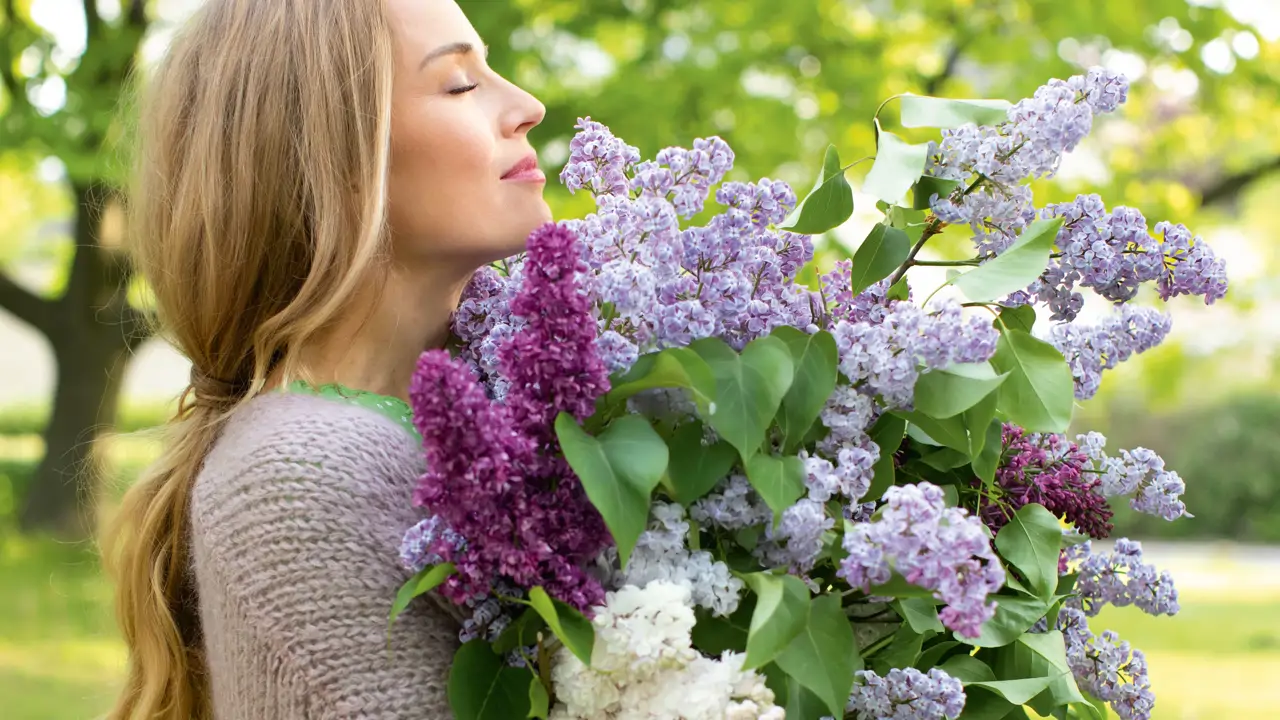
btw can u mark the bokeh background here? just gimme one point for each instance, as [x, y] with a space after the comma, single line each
[1198, 142]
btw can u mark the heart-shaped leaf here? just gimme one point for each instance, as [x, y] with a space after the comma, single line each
[1030, 542]
[1015, 614]
[573, 629]
[618, 470]
[778, 480]
[823, 657]
[782, 609]
[950, 391]
[1015, 268]
[749, 388]
[1039, 393]
[827, 205]
[695, 468]
[887, 434]
[883, 251]
[928, 186]
[933, 112]
[676, 367]
[423, 582]
[897, 166]
[483, 687]
[814, 357]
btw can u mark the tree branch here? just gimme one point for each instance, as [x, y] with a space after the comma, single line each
[934, 83]
[1228, 187]
[92, 20]
[26, 305]
[137, 17]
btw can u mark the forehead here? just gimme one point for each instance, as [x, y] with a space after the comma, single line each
[420, 26]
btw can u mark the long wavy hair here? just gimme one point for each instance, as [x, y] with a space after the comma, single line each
[258, 211]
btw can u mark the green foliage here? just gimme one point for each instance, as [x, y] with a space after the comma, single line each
[950, 391]
[1030, 542]
[618, 470]
[781, 612]
[897, 167]
[483, 687]
[814, 358]
[828, 204]
[883, 251]
[569, 625]
[778, 480]
[423, 582]
[694, 469]
[1039, 393]
[920, 111]
[749, 388]
[1015, 268]
[823, 657]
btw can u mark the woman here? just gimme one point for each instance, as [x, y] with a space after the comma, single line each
[317, 181]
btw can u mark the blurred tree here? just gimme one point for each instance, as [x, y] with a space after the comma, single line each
[53, 104]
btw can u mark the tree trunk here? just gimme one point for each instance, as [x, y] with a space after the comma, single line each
[62, 496]
[93, 332]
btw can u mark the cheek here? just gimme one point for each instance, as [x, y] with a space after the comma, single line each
[442, 173]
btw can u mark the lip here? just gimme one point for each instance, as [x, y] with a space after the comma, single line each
[526, 170]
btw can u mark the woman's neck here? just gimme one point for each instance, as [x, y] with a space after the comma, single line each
[375, 347]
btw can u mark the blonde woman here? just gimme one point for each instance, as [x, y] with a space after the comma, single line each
[316, 181]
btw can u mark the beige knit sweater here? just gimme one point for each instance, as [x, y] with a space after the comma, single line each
[297, 516]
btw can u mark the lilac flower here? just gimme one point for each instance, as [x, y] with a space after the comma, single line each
[870, 305]
[1090, 349]
[1190, 266]
[1140, 473]
[427, 543]
[797, 540]
[598, 161]
[931, 545]
[1107, 667]
[907, 694]
[1121, 578]
[1049, 470]
[734, 505]
[662, 553]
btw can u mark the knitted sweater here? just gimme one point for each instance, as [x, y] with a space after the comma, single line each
[296, 520]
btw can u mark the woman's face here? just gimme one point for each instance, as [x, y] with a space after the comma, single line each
[464, 183]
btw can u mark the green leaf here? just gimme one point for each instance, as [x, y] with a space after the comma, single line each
[920, 613]
[1022, 317]
[573, 629]
[1030, 541]
[539, 700]
[823, 657]
[988, 458]
[618, 470]
[952, 390]
[483, 687]
[901, 653]
[1015, 614]
[714, 635]
[782, 609]
[522, 632]
[1025, 660]
[887, 434]
[796, 700]
[897, 167]
[982, 704]
[978, 417]
[695, 468]
[934, 653]
[749, 388]
[814, 357]
[423, 582]
[883, 251]
[898, 587]
[928, 186]
[1040, 392]
[968, 669]
[932, 112]
[944, 459]
[1015, 268]
[827, 205]
[1016, 691]
[677, 367]
[900, 290]
[779, 481]
[1049, 645]
[950, 432]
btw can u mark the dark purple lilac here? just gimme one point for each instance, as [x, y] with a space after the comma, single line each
[1049, 470]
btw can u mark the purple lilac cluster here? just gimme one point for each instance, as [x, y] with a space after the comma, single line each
[1091, 349]
[907, 694]
[884, 359]
[797, 540]
[1049, 470]
[493, 474]
[992, 162]
[932, 546]
[1106, 667]
[1139, 473]
[1120, 578]
[1114, 253]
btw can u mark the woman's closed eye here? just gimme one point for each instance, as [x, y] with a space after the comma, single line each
[464, 89]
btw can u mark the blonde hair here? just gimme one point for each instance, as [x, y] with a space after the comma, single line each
[257, 214]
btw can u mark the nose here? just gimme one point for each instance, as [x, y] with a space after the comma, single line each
[524, 112]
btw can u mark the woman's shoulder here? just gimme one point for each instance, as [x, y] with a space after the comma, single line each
[310, 449]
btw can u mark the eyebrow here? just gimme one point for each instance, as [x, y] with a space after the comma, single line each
[457, 48]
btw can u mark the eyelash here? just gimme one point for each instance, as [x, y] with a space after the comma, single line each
[464, 90]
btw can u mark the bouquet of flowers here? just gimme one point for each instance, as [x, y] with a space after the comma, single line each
[676, 473]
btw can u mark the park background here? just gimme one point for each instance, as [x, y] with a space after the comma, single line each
[1198, 142]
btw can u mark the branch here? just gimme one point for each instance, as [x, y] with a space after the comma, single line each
[1226, 188]
[136, 18]
[92, 20]
[934, 83]
[26, 305]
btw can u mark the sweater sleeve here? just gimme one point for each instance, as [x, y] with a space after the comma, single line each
[295, 552]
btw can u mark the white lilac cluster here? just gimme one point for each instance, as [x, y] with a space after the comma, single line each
[1139, 473]
[662, 554]
[1106, 667]
[1090, 349]
[907, 694]
[936, 547]
[644, 666]
[1120, 578]
[992, 162]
